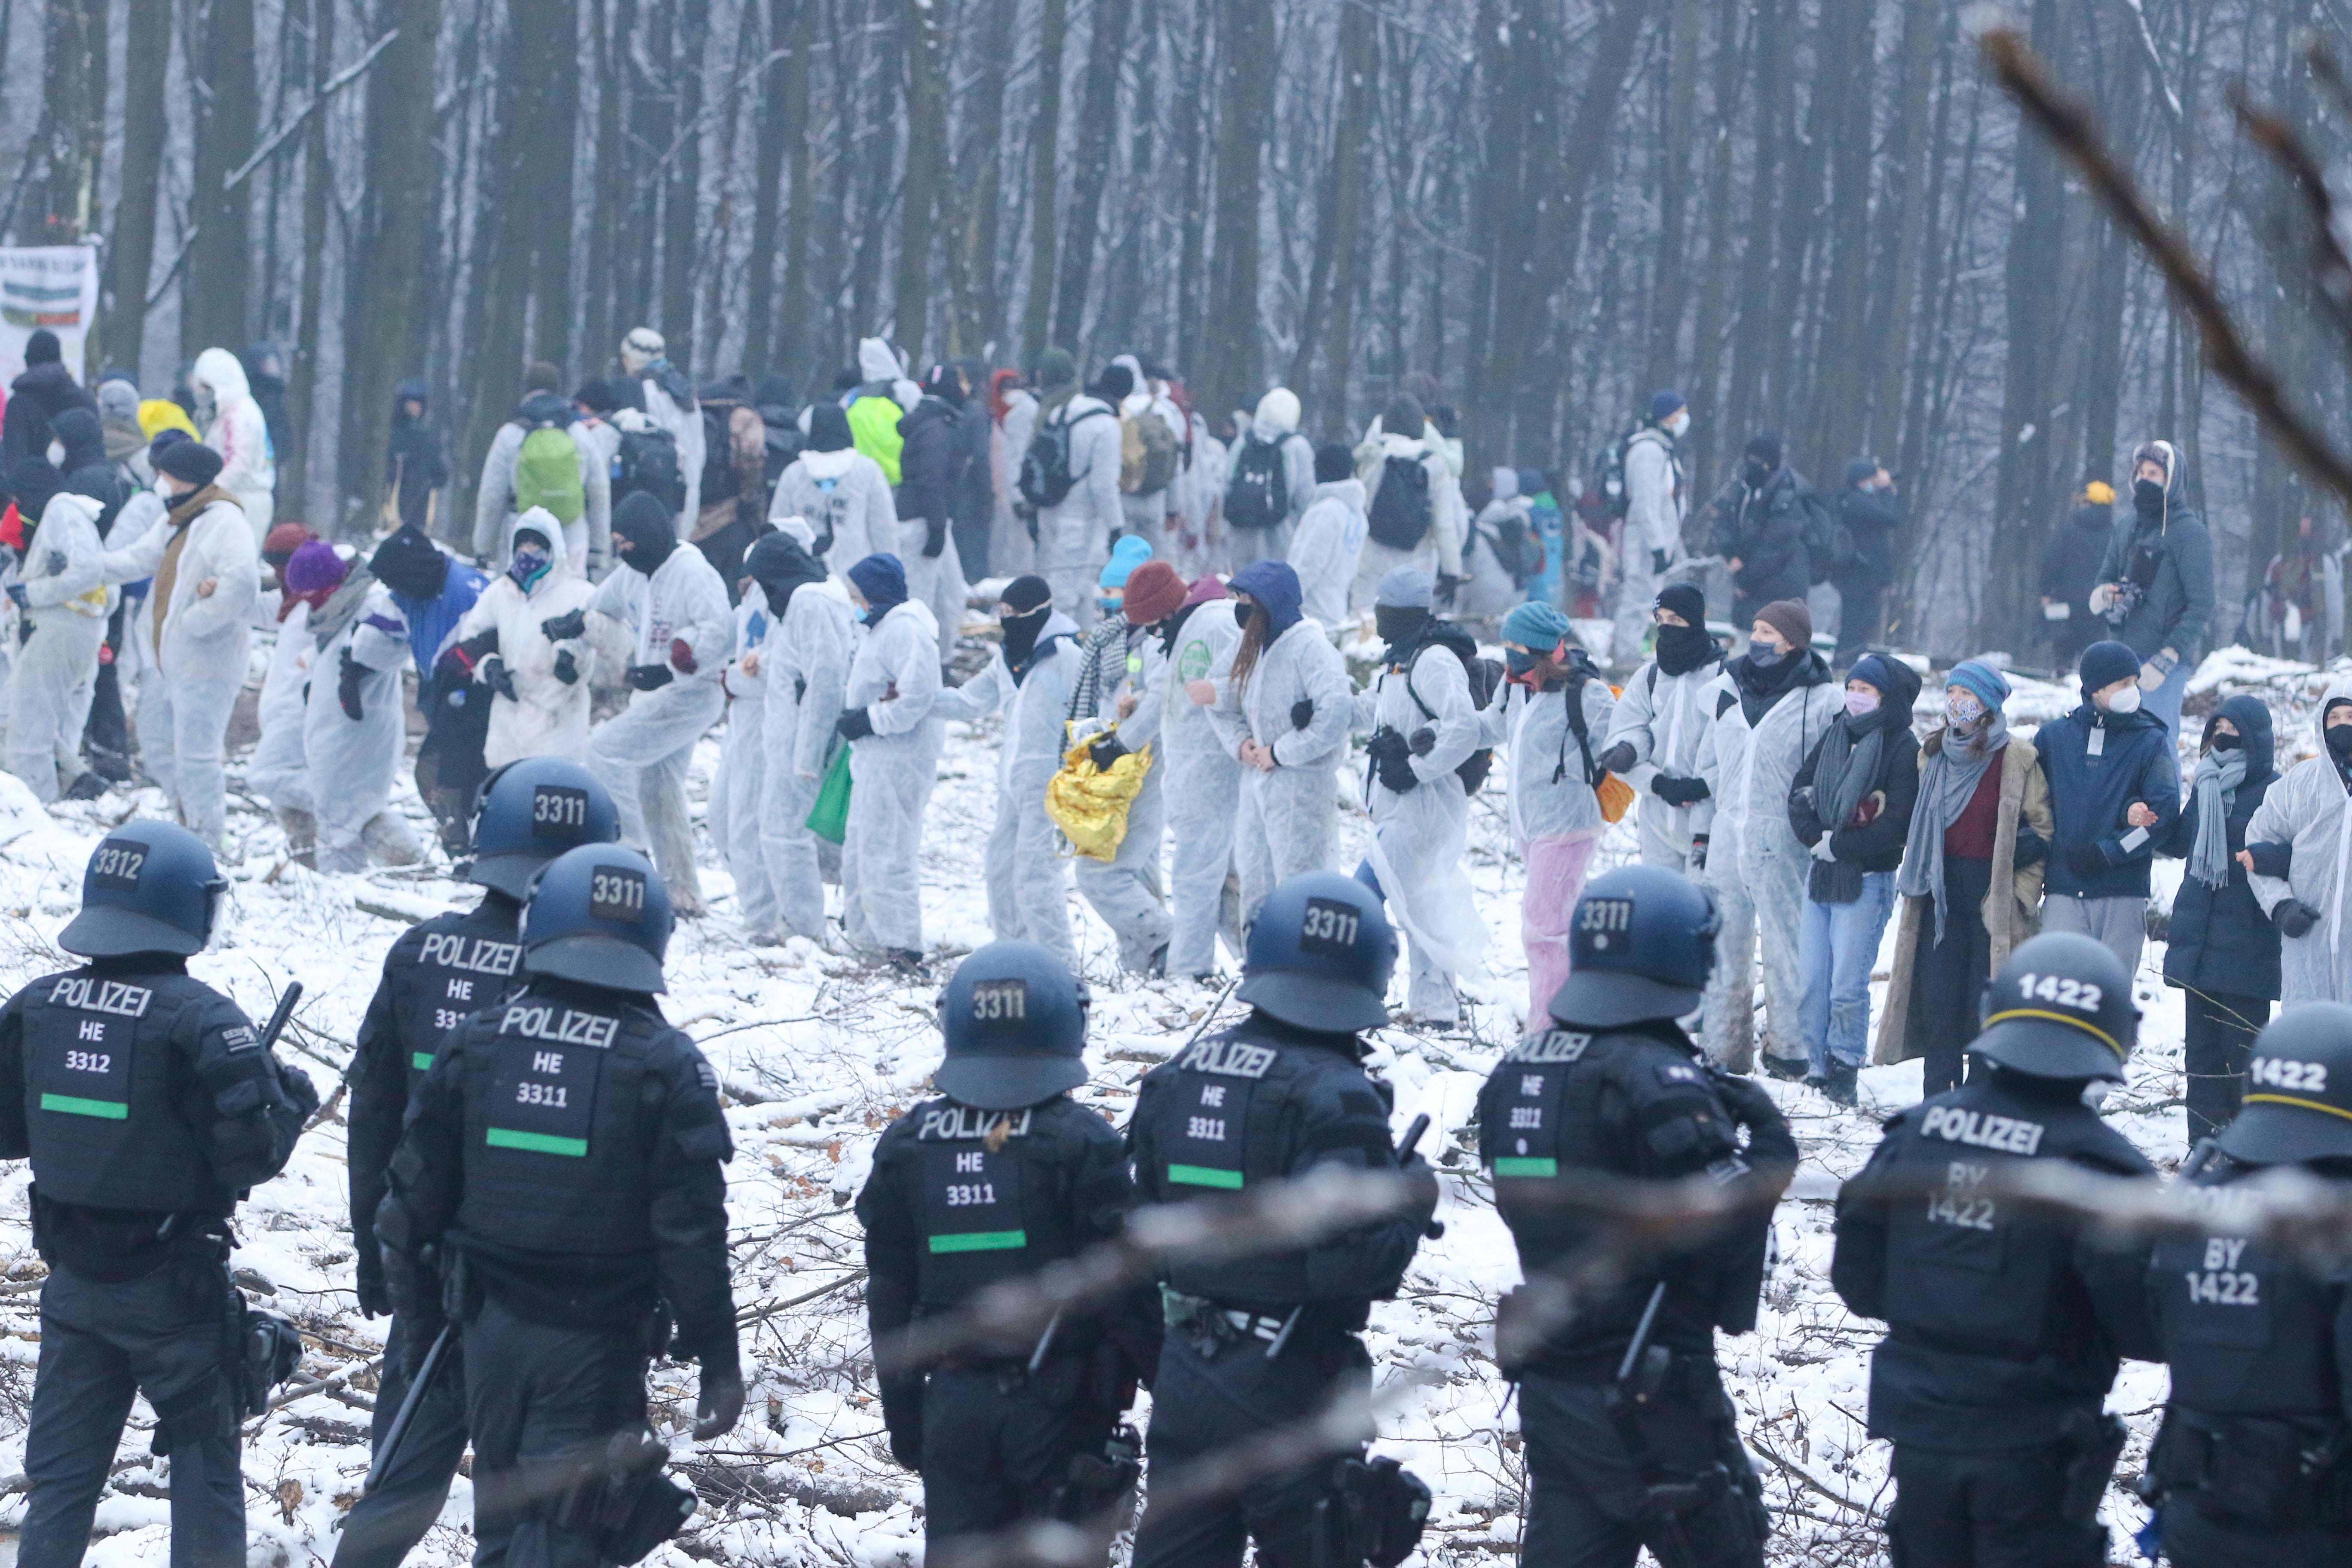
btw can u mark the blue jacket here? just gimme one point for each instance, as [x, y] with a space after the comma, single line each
[2088, 794]
[2221, 940]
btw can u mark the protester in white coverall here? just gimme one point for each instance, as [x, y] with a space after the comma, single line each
[1011, 551]
[207, 577]
[234, 426]
[1029, 679]
[1273, 453]
[840, 490]
[890, 715]
[354, 725]
[1773, 703]
[1120, 709]
[1073, 536]
[1663, 719]
[1328, 541]
[536, 671]
[1145, 513]
[1653, 541]
[1443, 528]
[279, 769]
[670, 403]
[1284, 705]
[673, 607]
[60, 595]
[2299, 850]
[1204, 782]
[1423, 725]
[588, 537]
[732, 811]
[804, 663]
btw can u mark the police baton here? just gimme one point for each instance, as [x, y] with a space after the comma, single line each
[277, 1026]
[389, 1450]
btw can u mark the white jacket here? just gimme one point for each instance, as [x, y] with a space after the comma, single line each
[202, 638]
[283, 695]
[805, 662]
[1325, 550]
[683, 598]
[1666, 719]
[548, 718]
[1030, 751]
[1749, 770]
[1549, 795]
[1653, 498]
[63, 573]
[1448, 520]
[842, 494]
[2307, 809]
[1077, 531]
[902, 653]
[1299, 489]
[240, 435]
[1299, 666]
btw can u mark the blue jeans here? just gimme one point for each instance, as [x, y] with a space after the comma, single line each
[2165, 701]
[1834, 953]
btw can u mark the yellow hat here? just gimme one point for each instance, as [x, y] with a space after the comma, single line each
[2098, 492]
[157, 414]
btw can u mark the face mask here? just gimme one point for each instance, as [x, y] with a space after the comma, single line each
[2125, 701]
[1519, 665]
[1677, 423]
[2148, 496]
[1861, 704]
[1963, 710]
[1681, 649]
[2340, 740]
[1107, 606]
[1757, 474]
[2228, 742]
[1395, 623]
[1764, 654]
[527, 565]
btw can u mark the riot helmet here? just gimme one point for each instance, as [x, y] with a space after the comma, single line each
[530, 811]
[2060, 1008]
[598, 914]
[2298, 1102]
[1320, 954]
[1641, 946]
[150, 887]
[1015, 1022]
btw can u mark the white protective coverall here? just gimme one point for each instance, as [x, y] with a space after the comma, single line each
[1654, 526]
[641, 754]
[278, 771]
[1665, 719]
[890, 776]
[1757, 867]
[1146, 514]
[845, 498]
[1011, 551]
[1420, 838]
[733, 809]
[681, 416]
[1299, 485]
[1028, 896]
[240, 434]
[1555, 816]
[1488, 589]
[2307, 810]
[1128, 891]
[587, 539]
[548, 717]
[1287, 815]
[1074, 538]
[805, 661]
[353, 761]
[1325, 549]
[1439, 553]
[54, 671]
[200, 642]
[1203, 792]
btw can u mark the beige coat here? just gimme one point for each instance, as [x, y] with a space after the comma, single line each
[2012, 908]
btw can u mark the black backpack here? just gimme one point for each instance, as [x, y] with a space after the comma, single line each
[1485, 676]
[1259, 495]
[1045, 476]
[1400, 514]
[1609, 472]
[1829, 543]
[647, 461]
[1519, 550]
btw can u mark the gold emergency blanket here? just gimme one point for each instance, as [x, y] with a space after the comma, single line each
[1089, 804]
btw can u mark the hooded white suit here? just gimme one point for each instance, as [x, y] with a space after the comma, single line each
[241, 436]
[548, 717]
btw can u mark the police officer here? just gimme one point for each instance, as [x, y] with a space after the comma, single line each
[2003, 1326]
[149, 1106]
[2254, 1466]
[1630, 1438]
[1002, 1175]
[561, 1171]
[1267, 1341]
[525, 815]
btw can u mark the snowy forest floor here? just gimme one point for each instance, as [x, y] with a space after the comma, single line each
[816, 1053]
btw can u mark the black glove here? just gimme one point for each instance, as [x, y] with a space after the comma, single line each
[1679, 791]
[375, 1301]
[406, 1283]
[1302, 713]
[567, 669]
[902, 1416]
[720, 1403]
[1395, 773]
[650, 676]
[2086, 859]
[2272, 859]
[1445, 590]
[1698, 853]
[2032, 849]
[1422, 1191]
[347, 687]
[935, 538]
[2294, 918]
[498, 678]
[1107, 751]
[1658, 562]
[1617, 759]
[565, 626]
[853, 724]
[1423, 742]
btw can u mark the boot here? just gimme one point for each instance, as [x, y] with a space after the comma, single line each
[1788, 1069]
[301, 836]
[388, 839]
[1839, 1083]
[88, 786]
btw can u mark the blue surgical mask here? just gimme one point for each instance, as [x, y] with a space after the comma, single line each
[1108, 606]
[1520, 665]
[1764, 654]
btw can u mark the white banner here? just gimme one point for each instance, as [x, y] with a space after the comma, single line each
[51, 286]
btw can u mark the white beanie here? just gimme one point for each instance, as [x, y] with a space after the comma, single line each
[1279, 408]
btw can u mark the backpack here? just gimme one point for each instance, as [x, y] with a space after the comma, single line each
[547, 473]
[647, 461]
[1045, 476]
[1147, 454]
[1829, 543]
[1486, 676]
[1259, 495]
[1609, 472]
[717, 453]
[1517, 549]
[1400, 513]
[1614, 794]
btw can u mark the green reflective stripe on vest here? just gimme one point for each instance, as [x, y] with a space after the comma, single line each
[421, 1060]
[72, 1105]
[1205, 1177]
[981, 1241]
[537, 1143]
[1522, 1168]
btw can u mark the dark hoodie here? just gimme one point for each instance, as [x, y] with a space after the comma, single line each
[2221, 940]
[35, 400]
[1861, 846]
[779, 565]
[414, 458]
[931, 468]
[2166, 552]
[87, 472]
[1273, 584]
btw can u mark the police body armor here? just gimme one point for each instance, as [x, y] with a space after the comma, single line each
[449, 967]
[102, 1111]
[989, 1194]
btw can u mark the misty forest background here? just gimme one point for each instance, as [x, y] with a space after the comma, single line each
[1817, 215]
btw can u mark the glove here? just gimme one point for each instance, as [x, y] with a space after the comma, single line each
[1420, 1188]
[1658, 562]
[567, 669]
[2086, 859]
[498, 678]
[1423, 742]
[681, 656]
[935, 539]
[1679, 791]
[1302, 713]
[1396, 774]
[565, 626]
[902, 1416]
[347, 687]
[375, 1301]
[1822, 852]
[1618, 758]
[1446, 589]
[721, 1403]
[17, 592]
[1698, 853]
[2101, 597]
[1107, 751]
[649, 677]
[2272, 859]
[406, 1283]
[853, 724]
[2032, 849]
[2294, 918]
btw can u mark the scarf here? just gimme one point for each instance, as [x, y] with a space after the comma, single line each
[1681, 649]
[1846, 766]
[1947, 783]
[167, 574]
[2219, 775]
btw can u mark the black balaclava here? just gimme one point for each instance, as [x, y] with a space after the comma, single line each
[778, 562]
[649, 528]
[1399, 624]
[1762, 459]
[829, 428]
[408, 563]
[2147, 500]
[2338, 738]
[1027, 602]
[1682, 649]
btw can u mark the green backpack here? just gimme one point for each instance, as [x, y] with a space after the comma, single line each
[547, 473]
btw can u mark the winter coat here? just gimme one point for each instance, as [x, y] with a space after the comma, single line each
[931, 457]
[548, 717]
[2306, 811]
[89, 471]
[1325, 549]
[35, 400]
[202, 637]
[901, 653]
[2070, 561]
[1873, 838]
[2011, 910]
[2172, 562]
[1750, 764]
[494, 499]
[2090, 791]
[683, 598]
[1871, 517]
[1299, 665]
[1207, 636]
[971, 504]
[414, 459]
[1299, 488]
[1653, 495]
[805, 662]
[1077, 532]
[240, 434]
[63, 571]
[2220, 939]
[1549, 797]
[1764, 530]
[845, 499]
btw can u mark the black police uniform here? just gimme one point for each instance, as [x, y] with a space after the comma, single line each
[959, 1199]
[564, 1155]
[2004, 1328]
[1257, 1103]
[1657, 1462]
[148, 1106]
[435, 974]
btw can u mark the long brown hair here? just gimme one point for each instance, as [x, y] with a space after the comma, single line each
[1254, 641]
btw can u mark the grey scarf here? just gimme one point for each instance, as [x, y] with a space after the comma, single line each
[2219, 775]
[1846, 764]
[1947, 783]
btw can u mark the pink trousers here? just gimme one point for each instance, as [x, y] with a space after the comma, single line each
[1556, 871]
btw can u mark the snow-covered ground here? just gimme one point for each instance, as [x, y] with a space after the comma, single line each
[815, 1054]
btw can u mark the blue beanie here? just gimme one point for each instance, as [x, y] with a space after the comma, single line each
[1992, 688]
[1872, 671]
[1128, 553]
[1663, 403]
[2105, 663]
[1538, 626]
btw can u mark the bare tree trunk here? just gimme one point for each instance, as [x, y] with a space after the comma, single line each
[792, 339]
[318, 181]
[1895, 293]
[776, 129]
[925, 25]
[879, 143]
[1192, 157]
[608, 49]
[1331, 277]
[131, 254]
[547, 177]
[1840, 401]
[1125, 268]
[979, 187]
[682, 190]
[1751, 353]
[1246, 65]
[1707, 433]
[720, 230]
[72, 132]
[1097, 127]
[1671, 297]
[213, 296]
[1045, 141]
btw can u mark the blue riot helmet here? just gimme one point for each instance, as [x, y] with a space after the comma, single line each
[530, 811]
[598, 914]
[1320, 954]
[1641, 946]
[152, 887]
[2062, 1008]
[1015, 1022]
[2298, 1089]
